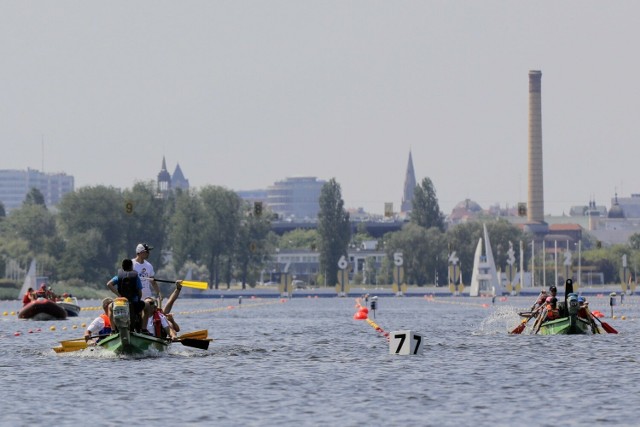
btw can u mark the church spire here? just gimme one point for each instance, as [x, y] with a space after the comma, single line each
[409, 186]
[164, 179]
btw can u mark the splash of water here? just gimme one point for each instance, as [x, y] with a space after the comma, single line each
[502, 320]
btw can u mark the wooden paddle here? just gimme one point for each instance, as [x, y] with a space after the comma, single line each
[521, 327]
[199, 335]
[61, 349]
[607, 327]
[78, 342]
[187, 283]
[197, 339]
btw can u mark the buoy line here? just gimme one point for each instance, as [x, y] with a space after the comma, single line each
[83, 325]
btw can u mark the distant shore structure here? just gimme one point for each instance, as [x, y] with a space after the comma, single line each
[168, 182]
[15, 184]
[535, 203]
[409, 187]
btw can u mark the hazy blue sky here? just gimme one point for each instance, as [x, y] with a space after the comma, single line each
[245, 93]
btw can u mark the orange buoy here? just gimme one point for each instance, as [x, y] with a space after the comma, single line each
[360, 315]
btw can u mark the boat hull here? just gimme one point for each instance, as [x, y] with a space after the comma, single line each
[42, 309]
[72, 310]
[570, 325]
[132, 343]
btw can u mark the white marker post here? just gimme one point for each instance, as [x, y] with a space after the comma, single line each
[405, 342]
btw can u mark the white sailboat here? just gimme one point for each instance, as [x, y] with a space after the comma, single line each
[29, 280]
[484, 279]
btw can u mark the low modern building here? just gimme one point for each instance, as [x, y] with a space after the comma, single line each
[304, 265]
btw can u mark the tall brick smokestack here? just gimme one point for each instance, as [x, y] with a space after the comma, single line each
[535, 205]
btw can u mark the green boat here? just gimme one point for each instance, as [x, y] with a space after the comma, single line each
[126, 342]
[570, 325]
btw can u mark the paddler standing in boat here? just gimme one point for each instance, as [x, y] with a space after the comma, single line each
[101, 325]
[129, 286]
[145, 271]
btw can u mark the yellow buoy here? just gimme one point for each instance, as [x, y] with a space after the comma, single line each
[13, 312]
[75, 326]
[83, 325]
[623, 317]
[5, 313]
[52, 328]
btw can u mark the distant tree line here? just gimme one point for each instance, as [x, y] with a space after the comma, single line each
[219, 238]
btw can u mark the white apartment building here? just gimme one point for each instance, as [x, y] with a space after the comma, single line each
[15, 184]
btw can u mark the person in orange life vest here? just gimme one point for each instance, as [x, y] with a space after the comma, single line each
[158, 325]
[28, 297]
[101, 325]
[552, 310]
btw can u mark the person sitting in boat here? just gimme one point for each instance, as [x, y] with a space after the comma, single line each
[583, 308]
[551, 309]
[169, 305]
[539, 301]
[101, 325]
[42, 292]
[158, 325]
[127, 284]
[28, 297]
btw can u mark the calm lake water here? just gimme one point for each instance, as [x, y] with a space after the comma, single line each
[307, 362]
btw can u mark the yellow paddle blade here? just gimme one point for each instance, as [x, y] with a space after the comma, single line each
[61, 349]
[73, 344]
[195, 285]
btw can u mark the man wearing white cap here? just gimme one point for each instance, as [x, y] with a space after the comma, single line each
[145, 271]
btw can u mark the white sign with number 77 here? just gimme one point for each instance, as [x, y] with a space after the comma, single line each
[405, 343]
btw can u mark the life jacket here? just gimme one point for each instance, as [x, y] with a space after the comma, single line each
[106, 330]
[26, 299]
[552, 313]
[128, 284]
[157, 325]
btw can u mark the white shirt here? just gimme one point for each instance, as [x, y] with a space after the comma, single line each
[163, 322]
[96, 326]
[145, 270]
